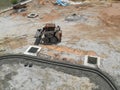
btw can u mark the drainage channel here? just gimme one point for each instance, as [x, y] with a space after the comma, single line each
[101, 79]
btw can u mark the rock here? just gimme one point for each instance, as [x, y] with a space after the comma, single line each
[2, 49]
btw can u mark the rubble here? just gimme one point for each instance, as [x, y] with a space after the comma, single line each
[88, 18]
[32, 15]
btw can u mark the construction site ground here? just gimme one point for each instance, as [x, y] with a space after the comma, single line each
[95, 32]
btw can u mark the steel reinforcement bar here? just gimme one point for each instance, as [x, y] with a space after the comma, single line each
[72, 66]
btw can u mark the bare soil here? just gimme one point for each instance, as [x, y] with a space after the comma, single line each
[96, 32]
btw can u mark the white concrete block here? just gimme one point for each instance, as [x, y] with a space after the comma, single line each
[92, 61]
[32, 50]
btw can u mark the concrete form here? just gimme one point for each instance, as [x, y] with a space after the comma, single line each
[92, 61]
[32, 50]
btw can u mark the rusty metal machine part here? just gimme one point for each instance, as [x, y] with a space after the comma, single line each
[50, 34]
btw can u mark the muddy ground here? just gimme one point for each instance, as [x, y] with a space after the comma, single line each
[93, 31]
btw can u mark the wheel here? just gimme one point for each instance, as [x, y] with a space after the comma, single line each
[38, 33]
[58, 35]
[37, 41]
[53, 40]
[46, 40]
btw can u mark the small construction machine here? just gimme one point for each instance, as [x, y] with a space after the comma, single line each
[50, 34]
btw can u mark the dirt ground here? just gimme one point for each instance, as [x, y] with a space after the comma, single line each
[95, 31]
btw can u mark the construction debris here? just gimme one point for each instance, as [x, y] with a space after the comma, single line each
[32, 15]
[62, 2]
[19, 6]
[67, 2]
[73, 17]
[88, 18]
